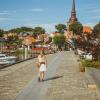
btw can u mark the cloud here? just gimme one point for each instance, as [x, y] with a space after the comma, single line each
[89, 9]
[96, 10]
[4, 19]
[90, 13]
[48, 27]
[4, 13]
[37, 10]
[95, 17]
[8, 12]
[89, 24]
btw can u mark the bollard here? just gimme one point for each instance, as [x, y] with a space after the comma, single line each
[81, 67]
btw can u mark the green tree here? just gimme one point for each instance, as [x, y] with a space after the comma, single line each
[96, 29]
[10, 39]
[38, 31]
[13, 39]
[59, 41]
[1, 32]
[76, 27]
[60, 28]
[50, 40]
[21, 29]
[18, 42]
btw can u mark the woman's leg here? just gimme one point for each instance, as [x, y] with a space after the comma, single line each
[40, 76]
[43, 75]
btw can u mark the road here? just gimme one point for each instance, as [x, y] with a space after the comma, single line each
[63, 82]
[35, 89]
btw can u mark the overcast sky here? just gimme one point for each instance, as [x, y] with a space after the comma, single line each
[46, 13]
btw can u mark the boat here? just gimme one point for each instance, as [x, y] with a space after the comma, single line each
[6, 59]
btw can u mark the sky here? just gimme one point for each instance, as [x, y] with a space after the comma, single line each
[46, 13]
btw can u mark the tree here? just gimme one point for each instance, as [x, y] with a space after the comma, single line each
[59, 40]
[1, 32]
[38, 31]
[76, 27]
[50, 40]
[60, 28]
[96, 29]
[21, 29]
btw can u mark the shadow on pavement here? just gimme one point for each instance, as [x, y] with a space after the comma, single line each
[53, 78]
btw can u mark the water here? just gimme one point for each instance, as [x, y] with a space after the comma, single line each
[20, 57]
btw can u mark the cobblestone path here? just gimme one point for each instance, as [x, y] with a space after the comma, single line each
[71, 86]
[15, 78]
[63, 81]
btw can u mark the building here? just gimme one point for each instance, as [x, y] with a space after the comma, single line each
[6, 35]
[73, 17]
[87, 29]
[69, 34]
[54, 34]
[29, 40]
[24, 34]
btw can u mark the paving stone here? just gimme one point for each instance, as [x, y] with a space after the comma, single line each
[72, 85]
[13, 79]
[68, 83]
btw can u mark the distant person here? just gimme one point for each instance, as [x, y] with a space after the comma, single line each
[42, 60]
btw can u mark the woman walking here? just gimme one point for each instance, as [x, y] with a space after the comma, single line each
[42, 66]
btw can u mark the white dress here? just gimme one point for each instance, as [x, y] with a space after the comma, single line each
[42, 66]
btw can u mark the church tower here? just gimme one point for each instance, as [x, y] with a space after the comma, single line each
[69, 34]
[73, 17]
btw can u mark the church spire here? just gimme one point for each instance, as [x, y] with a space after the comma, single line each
[73, 6]
[73, 14]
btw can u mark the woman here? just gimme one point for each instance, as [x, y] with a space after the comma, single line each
[43, 64]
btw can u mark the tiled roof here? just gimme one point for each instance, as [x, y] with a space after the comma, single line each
[29, 40]
[87, 29]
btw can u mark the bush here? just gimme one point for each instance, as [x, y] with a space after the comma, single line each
[94, 64]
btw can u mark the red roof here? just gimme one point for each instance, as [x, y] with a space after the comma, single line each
[87, 29]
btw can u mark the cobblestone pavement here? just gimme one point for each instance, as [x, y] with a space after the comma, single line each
[95, 74]
[13, 79]
[63, 81]
[36, 90]
[71, 86]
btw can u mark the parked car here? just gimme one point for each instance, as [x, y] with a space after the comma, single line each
[84, 55]
[87, 56]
